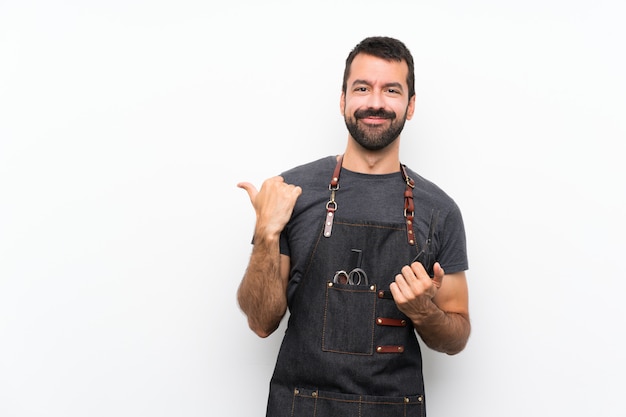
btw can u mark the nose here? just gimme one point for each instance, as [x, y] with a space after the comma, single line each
[376, 100]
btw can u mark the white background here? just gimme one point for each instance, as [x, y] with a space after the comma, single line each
[125, 126]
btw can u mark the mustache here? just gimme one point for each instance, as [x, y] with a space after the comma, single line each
[382, 113]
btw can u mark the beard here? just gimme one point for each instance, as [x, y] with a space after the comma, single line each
[374, 138]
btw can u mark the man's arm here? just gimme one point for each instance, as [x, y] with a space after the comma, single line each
[437, 307]
[262, 294]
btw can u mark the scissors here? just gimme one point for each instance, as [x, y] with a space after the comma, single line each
[356, 276]
[424, 256]
[426, 264]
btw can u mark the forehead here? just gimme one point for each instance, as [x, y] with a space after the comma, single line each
[376, 70]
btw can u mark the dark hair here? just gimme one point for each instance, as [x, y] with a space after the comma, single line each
[386, 48]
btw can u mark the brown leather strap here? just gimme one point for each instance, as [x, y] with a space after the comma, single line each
[330, 216]
[331, 206]
[390, 349]
[334, 182]
[386, 321]
[409, 205]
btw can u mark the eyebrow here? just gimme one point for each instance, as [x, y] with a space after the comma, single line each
[387, 85]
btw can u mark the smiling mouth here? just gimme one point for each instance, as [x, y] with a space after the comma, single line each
[374, 116]
[374, 121]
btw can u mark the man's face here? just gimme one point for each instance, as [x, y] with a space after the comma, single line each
[376, 102]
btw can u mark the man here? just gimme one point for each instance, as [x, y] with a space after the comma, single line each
[356, 246]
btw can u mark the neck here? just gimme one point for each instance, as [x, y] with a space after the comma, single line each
[383, 161]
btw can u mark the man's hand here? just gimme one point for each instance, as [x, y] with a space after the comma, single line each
[413, 290]
[438, 312]
[273, 204]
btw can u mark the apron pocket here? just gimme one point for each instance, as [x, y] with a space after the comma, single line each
[312, 403]
[349, 319]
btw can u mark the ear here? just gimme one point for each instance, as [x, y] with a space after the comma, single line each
[342, 103]
[411, 108]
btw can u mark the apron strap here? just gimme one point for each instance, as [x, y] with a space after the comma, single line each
[409, 205]
[331, 206]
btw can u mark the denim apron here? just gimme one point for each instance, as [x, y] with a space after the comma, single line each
[348, 350]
